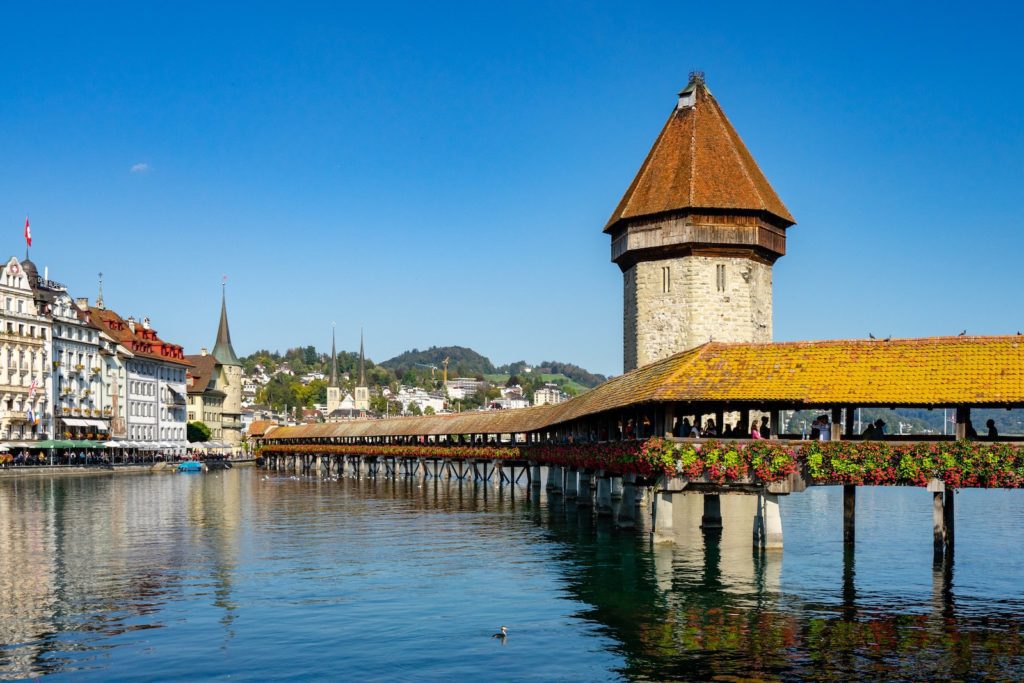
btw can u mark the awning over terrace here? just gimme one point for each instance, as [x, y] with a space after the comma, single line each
[929, 372]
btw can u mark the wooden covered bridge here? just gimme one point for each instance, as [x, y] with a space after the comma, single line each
[624, 440]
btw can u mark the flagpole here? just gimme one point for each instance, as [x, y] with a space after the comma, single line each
[28, 237]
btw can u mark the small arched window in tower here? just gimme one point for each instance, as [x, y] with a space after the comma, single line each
[720, 277]
[666, 279]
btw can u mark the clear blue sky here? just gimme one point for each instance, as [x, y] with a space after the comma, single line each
[441, 173]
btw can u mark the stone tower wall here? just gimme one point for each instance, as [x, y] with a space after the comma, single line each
[232, 407]
[333, 399]
[362, 398]
[666, 312]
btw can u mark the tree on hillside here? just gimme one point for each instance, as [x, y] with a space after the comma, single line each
[279, 392]
[310, 356]
[308, 394]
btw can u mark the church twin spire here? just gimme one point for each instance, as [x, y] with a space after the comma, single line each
[334, 360]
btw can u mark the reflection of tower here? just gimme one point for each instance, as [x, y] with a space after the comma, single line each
[333, 390]
[362, 391]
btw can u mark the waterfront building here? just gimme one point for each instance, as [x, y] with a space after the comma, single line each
[155, 383]
[695, 236]
[215, 386]
[549, 394]
[26, 408]
[84, 391]
[205, 396]
[115, 368]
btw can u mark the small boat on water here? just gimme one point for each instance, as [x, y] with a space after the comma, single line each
[190, 466]
[218, 464]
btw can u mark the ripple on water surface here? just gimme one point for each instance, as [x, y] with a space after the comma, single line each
[248, 576]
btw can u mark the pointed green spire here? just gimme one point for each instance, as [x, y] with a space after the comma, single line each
[362, 361]
[222, 350]
[334, 360]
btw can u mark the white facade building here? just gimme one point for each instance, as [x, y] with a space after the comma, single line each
[26, 409]
[461, 387]
[550, 393]
[83, 405]
[409, 396]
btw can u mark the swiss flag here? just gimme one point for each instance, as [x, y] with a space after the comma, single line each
[28, 233]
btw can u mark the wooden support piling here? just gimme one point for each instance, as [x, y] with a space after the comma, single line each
[947, 518]
[849, 513]
[938, 526]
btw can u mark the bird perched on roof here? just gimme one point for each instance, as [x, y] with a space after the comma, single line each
[963, 334]
[502, 634]
[870, 336]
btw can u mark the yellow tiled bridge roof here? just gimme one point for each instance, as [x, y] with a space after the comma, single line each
[935, 371]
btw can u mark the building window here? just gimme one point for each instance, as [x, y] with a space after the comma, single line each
[666, 279]
[720, 277]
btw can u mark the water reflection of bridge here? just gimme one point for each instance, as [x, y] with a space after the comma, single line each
[706, 606]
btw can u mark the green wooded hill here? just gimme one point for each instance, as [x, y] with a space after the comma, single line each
[463, 362]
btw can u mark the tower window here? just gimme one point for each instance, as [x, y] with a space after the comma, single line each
[720, 277]
[666, 279]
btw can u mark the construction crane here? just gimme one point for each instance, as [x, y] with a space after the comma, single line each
[445, 364]
[433, 368]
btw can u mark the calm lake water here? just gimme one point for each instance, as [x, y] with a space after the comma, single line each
[247, 576]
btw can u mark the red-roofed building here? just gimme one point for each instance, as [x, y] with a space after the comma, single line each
[154, 406]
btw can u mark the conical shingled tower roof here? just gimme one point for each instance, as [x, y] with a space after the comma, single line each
[699, 162]
[222, 350]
